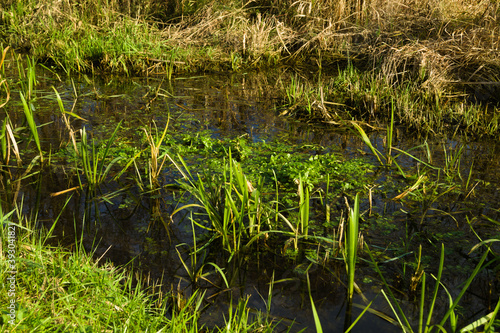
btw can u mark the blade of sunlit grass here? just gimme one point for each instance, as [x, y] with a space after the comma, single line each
[367, 141]
[317, 322]
[352, 245]
[32, 125]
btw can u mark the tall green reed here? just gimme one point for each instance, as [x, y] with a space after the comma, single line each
[27, 77]
[351, 246]
[303, 206]
[30, 118]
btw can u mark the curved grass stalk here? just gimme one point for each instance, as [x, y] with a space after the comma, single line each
[8, 142]
[351, 245]
[367, 142]
[487, 321]
[32, 124]
[4, 82]
[317, 322]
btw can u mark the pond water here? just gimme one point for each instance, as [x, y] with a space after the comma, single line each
[128, 224]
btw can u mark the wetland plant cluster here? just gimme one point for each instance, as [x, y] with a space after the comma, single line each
[306, 205]
[431, 65]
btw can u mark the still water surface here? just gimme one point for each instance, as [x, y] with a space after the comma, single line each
[128, 226]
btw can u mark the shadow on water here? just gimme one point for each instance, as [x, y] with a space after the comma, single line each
[127, 225]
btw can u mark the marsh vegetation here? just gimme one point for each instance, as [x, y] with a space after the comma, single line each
[341, 174]
[435, 62]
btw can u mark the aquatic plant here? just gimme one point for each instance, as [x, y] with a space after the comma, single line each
[351, 246]
[227, 201]
[27, 77]
[195, 269]
[428, 326]
[28, 112]
[155, 162]
[303, 193]
[93, 160]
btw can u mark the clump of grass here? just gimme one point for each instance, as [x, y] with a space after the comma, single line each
[155, 162]
[60, 290]
[232, 205]
[93, 160]
[433, 324]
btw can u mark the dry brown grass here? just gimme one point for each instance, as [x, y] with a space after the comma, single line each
[440, 42]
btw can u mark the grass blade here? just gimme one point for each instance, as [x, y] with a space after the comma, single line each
[367, 142]
[32, 124]
[317, 322]
[351, 245]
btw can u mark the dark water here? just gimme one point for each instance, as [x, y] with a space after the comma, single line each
[123, 224]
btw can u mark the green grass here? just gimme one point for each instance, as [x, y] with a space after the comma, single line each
[251, 193]
[30, 119]
[61, 290]
[93, 160]
[426, 307]
[351, 246]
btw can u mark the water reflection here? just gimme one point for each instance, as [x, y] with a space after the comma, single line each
[123, 224]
